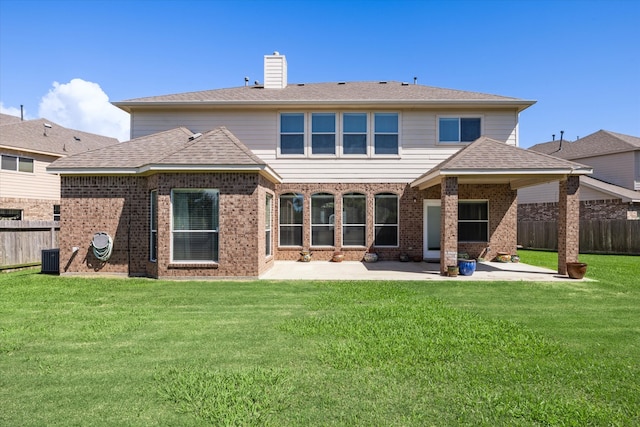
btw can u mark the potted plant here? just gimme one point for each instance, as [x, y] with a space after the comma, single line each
[404, 257]
[576, 270]
[452, 271]
[338, 256]
[370, 256]
[305, 256]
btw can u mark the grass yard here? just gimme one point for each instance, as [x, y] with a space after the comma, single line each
[139, 352]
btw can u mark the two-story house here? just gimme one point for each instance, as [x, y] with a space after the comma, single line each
[27, 147]
[612, 192]
[225, 182]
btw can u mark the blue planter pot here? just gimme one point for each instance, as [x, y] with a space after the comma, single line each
[467, 266]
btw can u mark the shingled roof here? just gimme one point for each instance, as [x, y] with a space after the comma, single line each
[599, 143]
[491, 161]
[173, 150]
[33, 136]
[361, 93]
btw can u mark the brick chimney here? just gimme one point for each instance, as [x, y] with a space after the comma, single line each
[275, 71]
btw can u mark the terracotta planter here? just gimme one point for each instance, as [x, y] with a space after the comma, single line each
[452, 271]
[305, 256]
[337, 257]
[576, 270]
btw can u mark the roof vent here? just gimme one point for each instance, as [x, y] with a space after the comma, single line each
[342, 83]
[405, 84]
[194, 136]
[383, 82]
[76, 138]
[300, 84]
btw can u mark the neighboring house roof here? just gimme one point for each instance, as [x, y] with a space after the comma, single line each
[173, 150]
[496, 162]
[624, 194]
[54, 140]
[384, 94]
[599, 143]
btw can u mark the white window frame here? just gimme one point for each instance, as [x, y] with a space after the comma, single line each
[339, 136]
[397, 224]
[335, 134]
[280, 224]
[268, 225]
[153, 232]
[344, 218]
[19, 160]
[305, 143]
[485, 201]
[458, 116]
[367, 136]
[56, 216]
[374, 133]
[330, 224]
[173, 231]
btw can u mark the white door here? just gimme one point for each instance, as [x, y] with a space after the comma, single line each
[431, 212]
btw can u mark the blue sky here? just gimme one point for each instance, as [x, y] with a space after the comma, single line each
[579, 59]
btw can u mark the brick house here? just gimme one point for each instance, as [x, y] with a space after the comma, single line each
[223, 183]
[611, 193]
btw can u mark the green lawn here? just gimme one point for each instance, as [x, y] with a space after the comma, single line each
[140, 352]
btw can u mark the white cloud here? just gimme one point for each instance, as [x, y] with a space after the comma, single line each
[83, 105]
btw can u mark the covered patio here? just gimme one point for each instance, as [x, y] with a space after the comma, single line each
[489, 173]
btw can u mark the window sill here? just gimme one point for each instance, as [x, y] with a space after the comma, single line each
[191, 265]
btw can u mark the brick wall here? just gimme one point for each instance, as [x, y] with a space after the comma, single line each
[502, 224]
[120, 206]
[589, 210]
[32, 209]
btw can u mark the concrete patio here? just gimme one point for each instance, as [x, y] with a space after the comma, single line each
[396, 270]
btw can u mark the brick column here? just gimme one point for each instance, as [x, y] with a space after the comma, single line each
[568, 222]
[448, 223]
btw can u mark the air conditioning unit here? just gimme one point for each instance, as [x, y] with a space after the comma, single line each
[50, 261]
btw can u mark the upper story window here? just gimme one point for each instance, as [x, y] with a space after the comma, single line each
[292, 133]
[386, 133]
[455, 130]
[354, 133]
[18, 164]
[56, 212]
[473, 221]
[323, 133]
[194, 223]
[339, 134]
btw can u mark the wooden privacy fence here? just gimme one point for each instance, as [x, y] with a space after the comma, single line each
[615, 236]
[21, 242]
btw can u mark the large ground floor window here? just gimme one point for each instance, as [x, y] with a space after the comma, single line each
[290, 219]
[194, 225]
[386, 220]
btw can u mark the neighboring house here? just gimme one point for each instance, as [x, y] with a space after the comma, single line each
[27, 191]
[224, 182]
[609, 199]
[610, 193]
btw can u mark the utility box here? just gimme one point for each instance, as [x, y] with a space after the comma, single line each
[50, 261]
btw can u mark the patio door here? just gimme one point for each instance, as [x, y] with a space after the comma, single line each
[431, 227]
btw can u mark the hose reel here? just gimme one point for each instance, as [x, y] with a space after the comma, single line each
[102, 245]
